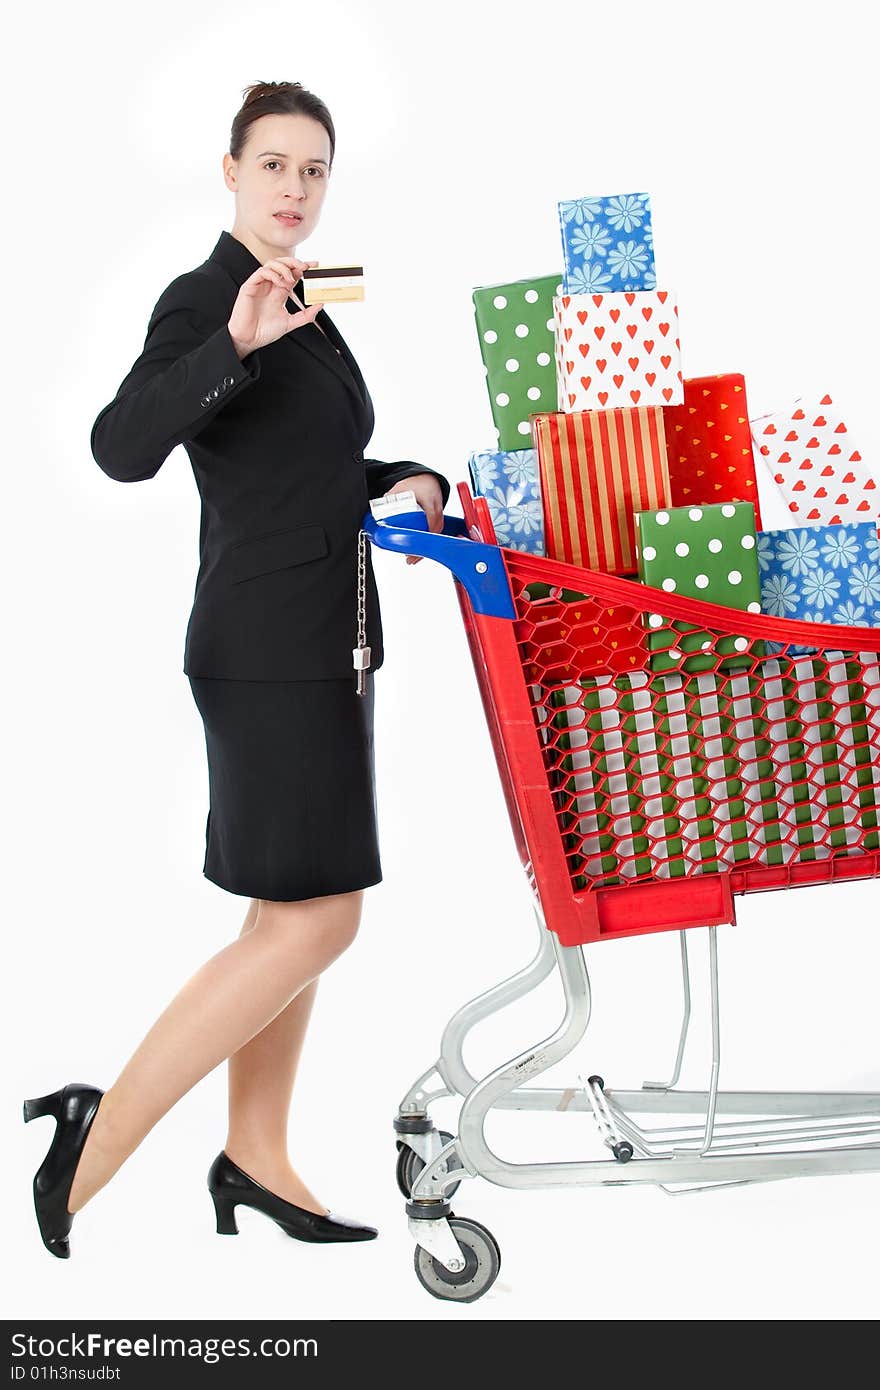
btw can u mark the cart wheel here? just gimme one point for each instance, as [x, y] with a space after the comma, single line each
[623, 1151]
[482, 1261]
[410, 1164]
[403, 1156]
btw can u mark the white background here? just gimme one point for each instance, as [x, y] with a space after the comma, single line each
[458, 127]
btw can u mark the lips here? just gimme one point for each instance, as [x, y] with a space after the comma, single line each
[289, 217]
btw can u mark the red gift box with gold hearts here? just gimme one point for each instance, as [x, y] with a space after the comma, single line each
[709, 443]
[598, 468]
[816, 466]
[617, 349]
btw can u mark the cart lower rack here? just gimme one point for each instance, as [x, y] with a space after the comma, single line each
[659, 756]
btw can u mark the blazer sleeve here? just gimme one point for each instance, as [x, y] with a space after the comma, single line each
[381, 476]
[186, 373]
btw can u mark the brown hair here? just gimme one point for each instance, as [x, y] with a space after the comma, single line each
[273, 99]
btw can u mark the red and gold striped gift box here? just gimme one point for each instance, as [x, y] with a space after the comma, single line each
[599, 467]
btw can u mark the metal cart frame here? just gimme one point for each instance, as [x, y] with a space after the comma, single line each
[775, 1135]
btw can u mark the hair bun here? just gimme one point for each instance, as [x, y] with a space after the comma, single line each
[257, 90]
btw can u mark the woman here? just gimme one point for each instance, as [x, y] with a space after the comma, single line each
[273, 411]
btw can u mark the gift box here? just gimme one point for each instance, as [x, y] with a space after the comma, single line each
[827, 775]
[759, 772]
[619, 349]
[511, 484]
[788, 687]
[649, 783]
[816, 466]
[707, 552]
[607, 243]
[515, 327]
[678, 776]
[858, 738]
[672, 775]
[595, 781]
[596, 469]
[615, 777]
[709, 443]
[821, 574]
[695, 731]
[804, 756]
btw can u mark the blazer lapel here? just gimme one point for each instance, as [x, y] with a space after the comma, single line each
[241, 263]
[331, 348]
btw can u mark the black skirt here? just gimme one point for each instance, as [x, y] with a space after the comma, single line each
[291, 784]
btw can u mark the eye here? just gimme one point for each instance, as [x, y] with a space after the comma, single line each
[271, 161]
[317, 170]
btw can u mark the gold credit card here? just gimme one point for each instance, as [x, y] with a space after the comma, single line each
[336, 282]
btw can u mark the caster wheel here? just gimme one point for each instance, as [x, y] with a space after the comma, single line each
[402, 1174]
[482, 1261]
[410, 1164]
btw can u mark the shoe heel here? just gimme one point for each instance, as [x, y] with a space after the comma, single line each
[43, 1105]
[225, 1209]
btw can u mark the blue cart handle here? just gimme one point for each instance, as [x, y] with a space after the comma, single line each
[479, 567]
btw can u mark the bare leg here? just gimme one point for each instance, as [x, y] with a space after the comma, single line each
[226, 1002]
[261, 1079]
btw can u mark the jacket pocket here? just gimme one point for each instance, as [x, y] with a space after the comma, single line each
[276, 550]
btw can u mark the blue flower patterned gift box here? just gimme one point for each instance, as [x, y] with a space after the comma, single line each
[607, 244]
[821, 574]
[511, 485]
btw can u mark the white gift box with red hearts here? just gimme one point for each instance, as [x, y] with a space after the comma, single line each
[816, 466]
[617, 349]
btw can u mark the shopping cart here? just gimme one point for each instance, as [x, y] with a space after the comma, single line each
[659, 755]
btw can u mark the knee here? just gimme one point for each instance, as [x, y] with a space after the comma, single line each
[330, 922]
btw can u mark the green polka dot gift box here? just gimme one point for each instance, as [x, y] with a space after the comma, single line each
[707, 552]
[517, 344]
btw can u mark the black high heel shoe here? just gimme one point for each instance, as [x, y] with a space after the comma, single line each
[231, 1186]
[74, 1108]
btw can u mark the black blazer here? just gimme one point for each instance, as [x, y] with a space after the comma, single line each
[276, 445]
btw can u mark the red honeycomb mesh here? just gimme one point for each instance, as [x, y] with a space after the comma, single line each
[676, 748]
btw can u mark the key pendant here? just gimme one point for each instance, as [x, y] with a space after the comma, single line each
[360, 660]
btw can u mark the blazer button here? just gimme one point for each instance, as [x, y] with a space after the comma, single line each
[228, 381]
[358, 457]
[206, 400]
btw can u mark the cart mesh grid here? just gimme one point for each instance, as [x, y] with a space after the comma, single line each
[729, 757]
[660, 754]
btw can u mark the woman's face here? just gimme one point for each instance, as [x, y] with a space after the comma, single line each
[284, 167]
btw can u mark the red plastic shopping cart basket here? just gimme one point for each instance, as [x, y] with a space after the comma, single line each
[660, 754]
